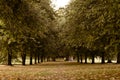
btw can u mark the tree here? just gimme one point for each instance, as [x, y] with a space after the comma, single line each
[95, 23]
[23, 19]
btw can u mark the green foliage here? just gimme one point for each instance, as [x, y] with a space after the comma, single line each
[23, 22]
[94, 24]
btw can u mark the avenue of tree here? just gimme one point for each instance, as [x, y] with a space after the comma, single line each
[32, 29]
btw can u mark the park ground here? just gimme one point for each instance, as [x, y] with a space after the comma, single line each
[61, 71]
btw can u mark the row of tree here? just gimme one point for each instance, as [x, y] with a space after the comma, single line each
[84, 29]
[93, 29]
[25, 26]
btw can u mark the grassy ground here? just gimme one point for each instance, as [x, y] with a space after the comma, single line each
[61, 71]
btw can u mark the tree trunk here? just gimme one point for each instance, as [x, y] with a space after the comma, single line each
[38, 58]
[81, 59]
[67, 58]
[9, 56]
[30, 58]
[118, 58]
[42, 58]
[23, 58]
[109, 61]
[78, 57]
[85, 58]
[93, 58]
[53, 59]
[103, 58]
[35, 58]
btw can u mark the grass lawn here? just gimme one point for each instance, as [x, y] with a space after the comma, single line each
[61, 71]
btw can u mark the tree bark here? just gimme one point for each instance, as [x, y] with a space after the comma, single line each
[23, 58]
[30, 58]
[118, 58]
[93, 58]
[67, 58]
[81, 59]
[78, 57]
[35, 58]
[85, 58]
[109, 61]
[38, 58]
[103, 58]
[9, 56]
[42, 58]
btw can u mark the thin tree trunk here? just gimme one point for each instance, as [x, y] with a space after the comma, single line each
[35, 58]
[78, 57]
[118, 58]
[23, 58]
[9, 56]
[85, 58]
[38, 58]
[81, 59]
[30, 58]
[42, 57]
[103, 58]
[93, 58]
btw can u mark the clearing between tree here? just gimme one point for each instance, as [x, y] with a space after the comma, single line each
[61, 71]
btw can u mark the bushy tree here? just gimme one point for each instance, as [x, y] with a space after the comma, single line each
[24, 22]
[95, 25]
